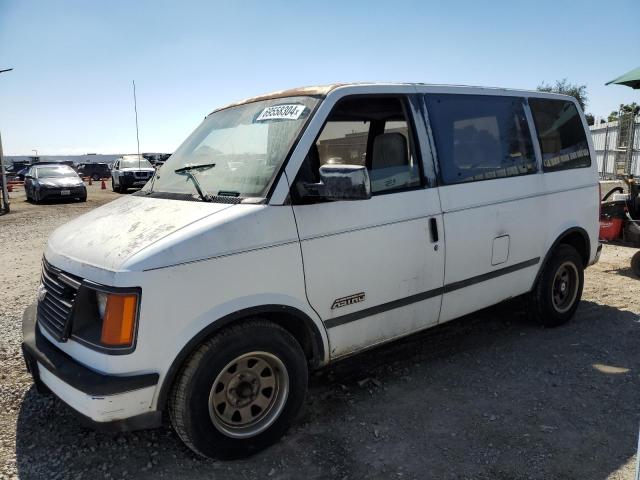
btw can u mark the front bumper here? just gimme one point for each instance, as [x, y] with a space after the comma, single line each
[74, 192]
[108, 402]
[133, 182]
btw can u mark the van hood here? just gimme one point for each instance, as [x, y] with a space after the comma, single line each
[108, 235]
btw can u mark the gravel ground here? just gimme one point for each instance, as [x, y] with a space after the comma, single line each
[489, 396]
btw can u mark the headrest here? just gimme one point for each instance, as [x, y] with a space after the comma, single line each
[389, 150]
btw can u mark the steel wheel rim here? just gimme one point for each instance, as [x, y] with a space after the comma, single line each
[564, 289]
[248, 394]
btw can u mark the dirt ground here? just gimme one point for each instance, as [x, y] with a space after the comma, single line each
[489, 396]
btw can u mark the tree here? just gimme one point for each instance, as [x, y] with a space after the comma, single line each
[590, 119]
[624, 109]
[579, 92]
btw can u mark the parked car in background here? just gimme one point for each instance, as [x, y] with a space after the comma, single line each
[49, 181]
[96, 171]
[130, 171]
[21, 173]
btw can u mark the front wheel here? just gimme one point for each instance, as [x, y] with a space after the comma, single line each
[239, 391]
[556, 295]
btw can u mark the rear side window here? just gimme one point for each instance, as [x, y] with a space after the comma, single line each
[480, 137]
[562, 138]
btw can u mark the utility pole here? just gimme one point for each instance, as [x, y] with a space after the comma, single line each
[5, 192]
[3, 175]
[135, 107]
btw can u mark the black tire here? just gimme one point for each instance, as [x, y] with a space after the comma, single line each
[549, 303]
[113, 187]
[635, 263]
[189, 402]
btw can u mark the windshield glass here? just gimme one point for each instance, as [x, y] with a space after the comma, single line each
[242, 147]
[134, 162]
[48, 172]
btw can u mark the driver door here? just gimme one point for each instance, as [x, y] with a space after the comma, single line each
[373, 268]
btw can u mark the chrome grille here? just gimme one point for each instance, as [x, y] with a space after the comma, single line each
[55, 300]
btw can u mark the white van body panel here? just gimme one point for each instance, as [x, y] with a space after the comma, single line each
[247, 257]
[380, 248]
[197, 262]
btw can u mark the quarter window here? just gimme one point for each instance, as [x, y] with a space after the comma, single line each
[561, 135]
[480, 137]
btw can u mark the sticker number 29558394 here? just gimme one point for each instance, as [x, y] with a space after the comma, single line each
[281, 112]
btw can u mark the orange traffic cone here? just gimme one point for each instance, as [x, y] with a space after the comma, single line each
[90, 181]
[103, 186]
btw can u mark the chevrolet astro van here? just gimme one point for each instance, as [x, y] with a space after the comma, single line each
[293, 229]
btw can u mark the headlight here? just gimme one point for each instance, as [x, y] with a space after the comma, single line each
[106, 318]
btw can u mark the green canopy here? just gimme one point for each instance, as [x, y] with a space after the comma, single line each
[630, 79]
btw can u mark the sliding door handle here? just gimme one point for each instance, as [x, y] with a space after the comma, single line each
[433, 227]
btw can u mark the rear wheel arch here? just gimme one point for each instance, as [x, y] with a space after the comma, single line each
[296, 322]
[578, 238]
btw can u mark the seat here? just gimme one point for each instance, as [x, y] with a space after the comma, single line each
[389, 150]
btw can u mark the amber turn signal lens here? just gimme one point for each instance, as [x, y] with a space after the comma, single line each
[119, 320]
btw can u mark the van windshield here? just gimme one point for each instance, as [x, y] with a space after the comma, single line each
[241, 149]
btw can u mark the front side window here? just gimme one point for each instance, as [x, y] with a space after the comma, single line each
[480, 137]
[562, 138]
[240, 149]
[367, 131]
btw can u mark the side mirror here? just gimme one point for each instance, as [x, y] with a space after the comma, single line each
[342, 182]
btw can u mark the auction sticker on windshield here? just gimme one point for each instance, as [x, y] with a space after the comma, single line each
[281, 112]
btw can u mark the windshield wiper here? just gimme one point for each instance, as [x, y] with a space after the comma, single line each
[186, 170]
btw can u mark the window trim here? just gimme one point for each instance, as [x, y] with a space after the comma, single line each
[537, 138]
[432, 142]
[410, 114]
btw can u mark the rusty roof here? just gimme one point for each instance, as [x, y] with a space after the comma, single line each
[320, 90]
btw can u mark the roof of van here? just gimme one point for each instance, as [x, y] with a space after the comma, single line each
[323, 90]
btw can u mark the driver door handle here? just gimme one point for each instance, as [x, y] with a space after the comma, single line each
[433, 227]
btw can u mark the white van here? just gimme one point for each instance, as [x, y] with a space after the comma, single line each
[293, 229]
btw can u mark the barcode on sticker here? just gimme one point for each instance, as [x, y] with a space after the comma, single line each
[281, 112]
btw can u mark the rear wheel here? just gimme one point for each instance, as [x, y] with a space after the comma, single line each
[114, 187]
[239, 391]
[635, 263]
[557, 293]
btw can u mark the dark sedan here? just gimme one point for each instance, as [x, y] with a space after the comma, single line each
[43, 182]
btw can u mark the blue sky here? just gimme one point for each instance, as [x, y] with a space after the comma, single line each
[74, 61]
